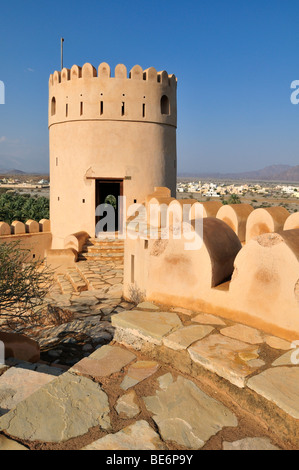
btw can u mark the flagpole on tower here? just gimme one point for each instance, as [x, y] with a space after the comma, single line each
[62, 41]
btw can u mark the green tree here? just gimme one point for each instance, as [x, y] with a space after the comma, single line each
[234, 199]
[23, 207]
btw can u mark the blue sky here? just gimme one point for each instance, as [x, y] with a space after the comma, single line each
[234, 60]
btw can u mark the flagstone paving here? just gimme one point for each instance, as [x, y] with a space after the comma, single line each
[281, 386]
[188, 416]
[138, 436]
[250, 443]
[127, 405]
[116, 375]
[226, 357]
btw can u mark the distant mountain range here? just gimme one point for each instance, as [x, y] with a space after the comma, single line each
[11, 171]
[283, 173]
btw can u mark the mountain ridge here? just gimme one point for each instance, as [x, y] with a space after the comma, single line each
[278, 173]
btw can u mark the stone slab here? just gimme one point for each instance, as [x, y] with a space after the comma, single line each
[277, 343]
[207, 319]
[183, 311]
[250, 443]
[279, 385]
[287, 359]
[63, 409]
[16, 384]
[186, 415]
[243, 333]
[226, 357]
[147, 306]
[138, 372]
[103, 362]
[147, 325]
[138, 436]
[181, 339]
[165, 380]
[127, 405]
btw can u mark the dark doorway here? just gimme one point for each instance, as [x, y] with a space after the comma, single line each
[108, 192]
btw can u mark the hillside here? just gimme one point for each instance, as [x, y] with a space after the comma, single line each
[285, 173]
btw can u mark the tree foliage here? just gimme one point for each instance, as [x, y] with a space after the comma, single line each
[23, 207]
[23, 283]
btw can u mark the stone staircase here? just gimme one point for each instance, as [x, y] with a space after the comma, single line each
[102, 249]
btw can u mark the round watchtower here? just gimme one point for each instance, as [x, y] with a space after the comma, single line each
[108, 136]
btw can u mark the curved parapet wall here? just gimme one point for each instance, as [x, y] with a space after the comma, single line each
[265, 282]
[32, 236]
[19, 228]
[236, 216]
[167, 271]
[207, 209]
[292, 222]
[268, 220]
[257, 284]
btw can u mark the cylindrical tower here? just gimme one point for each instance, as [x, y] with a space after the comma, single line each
[108, 135]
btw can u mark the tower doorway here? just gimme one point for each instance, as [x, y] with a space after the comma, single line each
[108, 207]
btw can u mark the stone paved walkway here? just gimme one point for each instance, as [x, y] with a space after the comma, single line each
[115, 375]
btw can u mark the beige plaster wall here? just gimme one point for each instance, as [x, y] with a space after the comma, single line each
[37, 243]
[89, 145]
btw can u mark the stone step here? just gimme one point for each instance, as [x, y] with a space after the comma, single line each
[100, 257]
[64, 284]
[109, 248]
[76, 280]
[105, 241]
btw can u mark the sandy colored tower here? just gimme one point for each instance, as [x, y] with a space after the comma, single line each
[108, 136]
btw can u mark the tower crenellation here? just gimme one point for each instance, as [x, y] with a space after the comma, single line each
[86, 93]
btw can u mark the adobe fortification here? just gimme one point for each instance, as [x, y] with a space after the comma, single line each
[108, 135]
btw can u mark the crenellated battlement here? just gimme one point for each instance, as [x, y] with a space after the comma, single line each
[85, 93]
[104, 71]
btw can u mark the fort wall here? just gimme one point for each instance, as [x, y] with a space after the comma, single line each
[33, 236]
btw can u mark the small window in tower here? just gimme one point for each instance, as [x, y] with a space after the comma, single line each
[83, 200]
[165, 106]
[81, 108]
[66, 110]
[56, 161]
[101, 107]
[132, 269]
[123, 108]
[53, 106]
[143, 110]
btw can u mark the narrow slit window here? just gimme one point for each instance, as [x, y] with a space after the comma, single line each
[81, 108]
[56, 161]
[132, 269]
[123, 108]
[66, 110]
[165, 105]
[101, 107]
[143, 110]
[53, 106]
